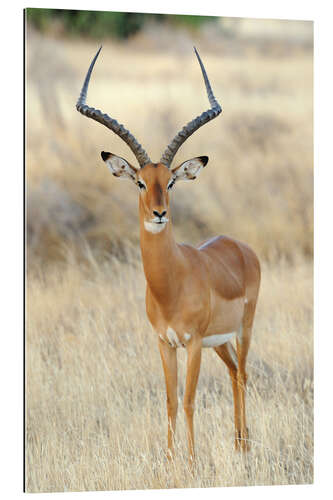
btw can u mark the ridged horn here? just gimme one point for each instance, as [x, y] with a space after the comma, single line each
[109, 122]
[193, 125]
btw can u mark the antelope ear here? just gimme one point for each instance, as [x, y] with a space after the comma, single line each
[190, 169]
[118, 166]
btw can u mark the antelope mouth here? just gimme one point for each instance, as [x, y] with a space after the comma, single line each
[163, 220]
[155, 225]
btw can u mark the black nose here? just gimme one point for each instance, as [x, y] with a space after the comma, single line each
[160, 215]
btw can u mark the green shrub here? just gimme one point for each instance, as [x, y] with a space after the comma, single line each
[97, 24]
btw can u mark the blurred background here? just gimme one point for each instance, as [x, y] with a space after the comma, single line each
[85, 288]
[258, 186]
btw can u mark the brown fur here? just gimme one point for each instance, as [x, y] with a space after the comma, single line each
[199, 291]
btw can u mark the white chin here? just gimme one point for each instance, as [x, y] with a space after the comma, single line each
[154, 228]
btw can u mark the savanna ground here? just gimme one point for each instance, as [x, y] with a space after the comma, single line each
[95, 397]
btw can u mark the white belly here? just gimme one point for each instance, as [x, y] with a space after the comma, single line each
[216, 340]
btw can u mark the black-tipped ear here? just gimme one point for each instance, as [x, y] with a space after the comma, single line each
[105, 155]
[119, 166]
[190, 169]
[204, 160]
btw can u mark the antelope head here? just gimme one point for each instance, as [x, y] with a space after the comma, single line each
[154, 180]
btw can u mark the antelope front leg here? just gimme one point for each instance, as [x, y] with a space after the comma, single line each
[169, 362]
[192, 376]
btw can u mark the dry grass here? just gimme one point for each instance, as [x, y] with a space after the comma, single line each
[96, 417]
[95, 411]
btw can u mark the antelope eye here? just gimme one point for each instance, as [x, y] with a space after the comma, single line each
[141, 185]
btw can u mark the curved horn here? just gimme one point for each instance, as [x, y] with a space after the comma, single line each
[109, 122]
[192, 126]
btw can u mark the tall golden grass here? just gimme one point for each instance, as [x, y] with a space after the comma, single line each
[95, 401]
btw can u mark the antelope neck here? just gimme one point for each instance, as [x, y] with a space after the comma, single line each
[161, 259]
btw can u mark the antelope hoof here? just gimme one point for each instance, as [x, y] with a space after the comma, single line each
[191, 464]
[245, 441]
[170, 455]
[242, 441]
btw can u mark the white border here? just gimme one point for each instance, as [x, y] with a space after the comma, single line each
[11, 244]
